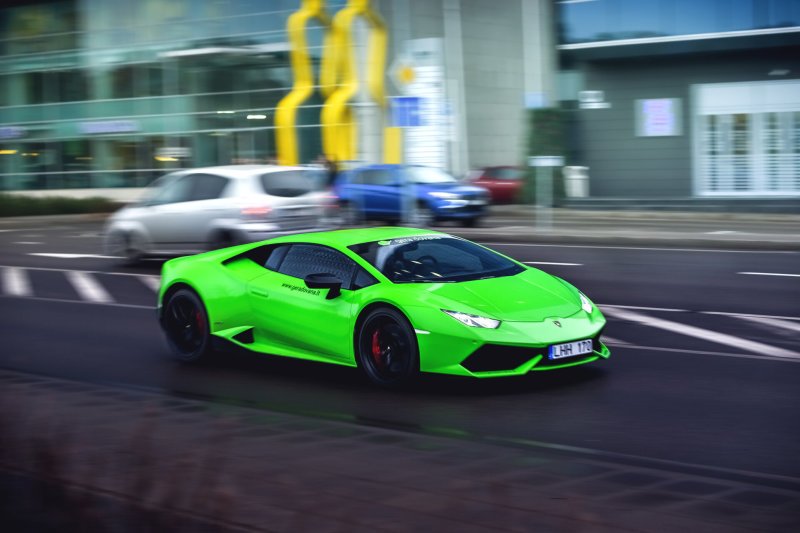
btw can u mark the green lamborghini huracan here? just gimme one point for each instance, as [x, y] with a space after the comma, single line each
[392, 301]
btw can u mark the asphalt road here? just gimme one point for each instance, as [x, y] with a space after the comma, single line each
[704, 370]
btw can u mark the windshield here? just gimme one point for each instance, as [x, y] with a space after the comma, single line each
[428, 175]
[434, 259]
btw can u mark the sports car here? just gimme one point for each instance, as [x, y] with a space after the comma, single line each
[393, 301]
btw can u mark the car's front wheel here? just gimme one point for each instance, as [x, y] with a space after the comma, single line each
[387, 348]
[185, 323]
[126, 246]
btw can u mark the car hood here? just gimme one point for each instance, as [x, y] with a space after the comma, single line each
[529, 296]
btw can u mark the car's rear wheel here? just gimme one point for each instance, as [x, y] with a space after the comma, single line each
[425, 216]
[471, 222]
[185, 322]
[349, 214]
[387, 348]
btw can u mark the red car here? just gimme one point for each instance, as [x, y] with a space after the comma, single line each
[504, 183]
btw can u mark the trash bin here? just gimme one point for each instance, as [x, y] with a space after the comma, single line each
[576, 182]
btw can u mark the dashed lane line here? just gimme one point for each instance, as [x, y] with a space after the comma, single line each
[16, 282]
[777, 274]
[772, 322]
[700, 333]
[152, 282]
[87, 287]
[551, 264]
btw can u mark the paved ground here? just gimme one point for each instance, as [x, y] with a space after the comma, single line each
[83, 457]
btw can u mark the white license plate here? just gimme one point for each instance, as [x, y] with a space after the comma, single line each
[570, 349]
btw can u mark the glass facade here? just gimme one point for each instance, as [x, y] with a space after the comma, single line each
[111, 93]
[583, 21]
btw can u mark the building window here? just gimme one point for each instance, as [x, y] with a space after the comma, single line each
[749, 139]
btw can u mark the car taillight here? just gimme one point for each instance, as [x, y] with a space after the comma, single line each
[256, 211]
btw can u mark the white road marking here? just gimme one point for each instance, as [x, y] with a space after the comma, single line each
[546, 263]
[87, 287]
[770, 274]
[667, 309]
[700, 333]
[704, 352]
[746, 315]
[153, 282]
[27, 242]
[16, 282]
[644, 248]
[773, 322]
[613, 341]
[73, 256]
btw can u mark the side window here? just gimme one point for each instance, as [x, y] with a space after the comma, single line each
[304, 259]
[206, 186]
[173, 191]
[377, 176]
[276, 255]
[363, 279]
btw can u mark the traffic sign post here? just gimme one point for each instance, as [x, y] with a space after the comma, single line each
[544, 188]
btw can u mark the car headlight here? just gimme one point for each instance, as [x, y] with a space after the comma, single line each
[445, 195]
[474, 321]
[586, 304]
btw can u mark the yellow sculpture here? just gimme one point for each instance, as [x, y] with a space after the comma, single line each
[303, 88]
[339, 82]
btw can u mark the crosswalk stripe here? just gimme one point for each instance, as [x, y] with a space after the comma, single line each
[16, 282]
[153, 282]
[87, 287]
[700, 333]
[773, 322]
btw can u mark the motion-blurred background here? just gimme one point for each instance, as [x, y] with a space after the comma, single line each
[664, 103]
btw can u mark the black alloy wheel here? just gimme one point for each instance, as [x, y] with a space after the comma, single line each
[185, 322]
[387, 348]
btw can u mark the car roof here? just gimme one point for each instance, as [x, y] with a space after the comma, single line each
[348, 237]
[237, 170]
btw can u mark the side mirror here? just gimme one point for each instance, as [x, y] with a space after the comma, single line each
[325, 281]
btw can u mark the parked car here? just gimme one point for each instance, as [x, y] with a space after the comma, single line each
[195, 210]
[504, 183]
[397, 192]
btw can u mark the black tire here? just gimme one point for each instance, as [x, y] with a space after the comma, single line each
[386, 348]
[349, 215]
[471, 222]
[185, 323]
[425, 217]
[220, 239]
[123, 244]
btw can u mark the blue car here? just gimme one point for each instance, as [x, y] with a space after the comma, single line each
[419, 194]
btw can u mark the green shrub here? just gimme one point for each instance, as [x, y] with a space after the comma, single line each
[13, 205]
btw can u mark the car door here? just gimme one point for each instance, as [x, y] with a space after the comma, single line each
[160, 214]
[205, 205]
[290, 314]
[179, 216]
[378, 190]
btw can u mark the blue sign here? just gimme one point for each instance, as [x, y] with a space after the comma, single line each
[405, 111]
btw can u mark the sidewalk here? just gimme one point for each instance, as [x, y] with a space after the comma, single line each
[521, 223]
[83, 457]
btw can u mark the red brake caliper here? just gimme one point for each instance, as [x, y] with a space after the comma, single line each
[198, 317]
[376, 349]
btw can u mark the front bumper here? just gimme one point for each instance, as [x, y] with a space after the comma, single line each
[514, 349]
